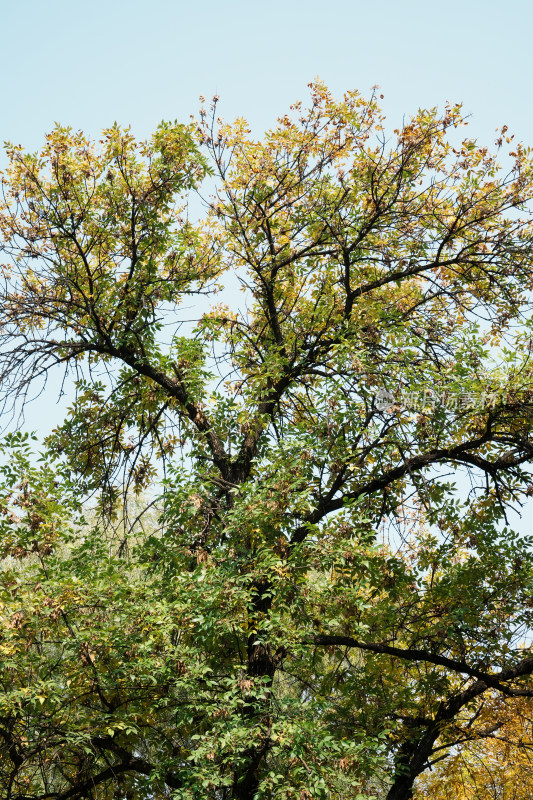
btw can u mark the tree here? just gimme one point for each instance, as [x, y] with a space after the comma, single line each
[321, 612]
[496, 762]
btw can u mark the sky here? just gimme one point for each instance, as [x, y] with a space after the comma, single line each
[89, 64]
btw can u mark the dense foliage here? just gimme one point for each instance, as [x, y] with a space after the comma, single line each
[325, 596]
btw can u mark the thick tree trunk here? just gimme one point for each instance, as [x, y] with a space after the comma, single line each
[246, 781]
[410, 762]
[404, 778]
[401, 789]
[261, 664]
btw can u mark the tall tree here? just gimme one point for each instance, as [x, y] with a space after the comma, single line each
[322, 611]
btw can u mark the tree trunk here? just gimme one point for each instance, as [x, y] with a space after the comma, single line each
[261, 664]
[411, 760]
[401, 789]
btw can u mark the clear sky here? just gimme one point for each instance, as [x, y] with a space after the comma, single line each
[89, 64]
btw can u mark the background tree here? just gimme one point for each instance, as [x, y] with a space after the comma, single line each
[495, 763]
[321, 609]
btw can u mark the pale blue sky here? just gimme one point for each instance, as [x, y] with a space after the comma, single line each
[88, 64]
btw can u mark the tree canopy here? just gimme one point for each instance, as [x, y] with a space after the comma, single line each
[326, 597]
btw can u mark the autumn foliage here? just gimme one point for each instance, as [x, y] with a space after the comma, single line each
[269, 551]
